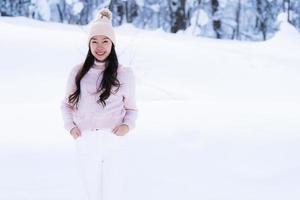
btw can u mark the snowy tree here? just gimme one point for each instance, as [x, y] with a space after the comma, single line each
[177, 15]
[294, 13]
[124, 11]
[216, 18]
[39, 9]
[267, 11]
[152, 14]
[237, 19]
[14, 8]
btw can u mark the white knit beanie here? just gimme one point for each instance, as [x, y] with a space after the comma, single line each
[102, 25]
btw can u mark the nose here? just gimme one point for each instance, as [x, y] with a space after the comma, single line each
[99, 48]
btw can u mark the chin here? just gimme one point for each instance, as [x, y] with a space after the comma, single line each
[102, 58]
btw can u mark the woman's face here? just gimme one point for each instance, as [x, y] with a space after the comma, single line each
[100, 47]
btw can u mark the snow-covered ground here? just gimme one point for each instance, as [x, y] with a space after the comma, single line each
[218, 120]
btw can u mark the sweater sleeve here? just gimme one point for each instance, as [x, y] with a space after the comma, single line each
[130, 99]
[66, 107]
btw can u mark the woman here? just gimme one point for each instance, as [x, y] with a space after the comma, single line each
[99, 108]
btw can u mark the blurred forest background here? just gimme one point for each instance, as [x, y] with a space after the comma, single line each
[248, 20]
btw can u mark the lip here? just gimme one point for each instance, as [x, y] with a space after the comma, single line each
[100, 54]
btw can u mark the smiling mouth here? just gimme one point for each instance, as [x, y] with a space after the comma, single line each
[100, 54]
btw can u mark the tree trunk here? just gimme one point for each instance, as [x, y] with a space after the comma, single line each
[177, 14]
[60, 13]
[216, 23]
[261, 24]
[238, 11]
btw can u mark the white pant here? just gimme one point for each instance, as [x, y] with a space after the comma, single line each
[99, 168]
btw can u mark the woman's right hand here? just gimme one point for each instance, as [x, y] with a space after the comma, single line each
[75, 132]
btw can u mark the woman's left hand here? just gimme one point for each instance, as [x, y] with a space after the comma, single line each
[121, 130]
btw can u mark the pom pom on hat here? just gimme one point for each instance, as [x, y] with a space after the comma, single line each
[102, 25]
[104, 12]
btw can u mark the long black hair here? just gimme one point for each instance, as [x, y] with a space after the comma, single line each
[108, 81]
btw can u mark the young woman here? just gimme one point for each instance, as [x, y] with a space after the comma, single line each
[99, 108]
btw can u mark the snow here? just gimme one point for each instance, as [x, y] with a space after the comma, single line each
[217, 119]
[43, 9]
[155, 7]
[140, 3]
[77, 8]
[203, 18]
[69, 2]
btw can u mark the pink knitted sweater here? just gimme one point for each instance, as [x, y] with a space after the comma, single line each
[120, 107]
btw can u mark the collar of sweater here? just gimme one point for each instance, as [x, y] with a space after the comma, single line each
[99, 65]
